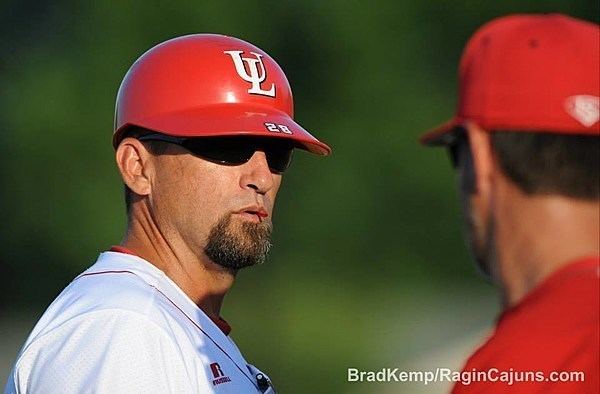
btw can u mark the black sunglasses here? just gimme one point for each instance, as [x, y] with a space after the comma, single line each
[453, 154]
[235, 150]
[454, 146]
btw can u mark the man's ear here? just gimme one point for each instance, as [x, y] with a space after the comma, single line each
[482, 158]
[133, 160]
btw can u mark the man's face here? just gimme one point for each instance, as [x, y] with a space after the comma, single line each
[478, 226]
[221, 211]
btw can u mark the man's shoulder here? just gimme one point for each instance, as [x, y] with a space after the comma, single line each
[118, 291]
[102, 343]
[555, 327]
[104, 320]
[99, 295]
[555, 324]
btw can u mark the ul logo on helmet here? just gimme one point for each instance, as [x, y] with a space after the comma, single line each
[254, 73]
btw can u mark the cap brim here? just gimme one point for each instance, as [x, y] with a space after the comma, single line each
[229, 120]
[442, 134]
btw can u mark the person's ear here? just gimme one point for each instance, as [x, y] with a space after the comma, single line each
[482, 159]
[133, 161]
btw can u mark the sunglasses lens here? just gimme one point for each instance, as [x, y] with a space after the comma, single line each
[279, 159]
[236, 151]
[453, 154]
[219, 150]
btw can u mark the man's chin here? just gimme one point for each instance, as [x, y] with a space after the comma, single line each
[483, 253]
[481, 249]
[235, 243]
[483, 267]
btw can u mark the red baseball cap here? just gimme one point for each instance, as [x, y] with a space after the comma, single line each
[529, 73]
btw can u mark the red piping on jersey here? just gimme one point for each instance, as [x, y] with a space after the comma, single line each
[219, 321]
[122, 249]
[183, 313]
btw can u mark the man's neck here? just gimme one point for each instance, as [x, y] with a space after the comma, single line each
[203, 281]
[538, 235]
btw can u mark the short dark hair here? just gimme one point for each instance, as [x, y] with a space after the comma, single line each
[550, 163]
[155, 147]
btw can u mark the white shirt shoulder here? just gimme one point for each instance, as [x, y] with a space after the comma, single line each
[104, 351]
[123, 326]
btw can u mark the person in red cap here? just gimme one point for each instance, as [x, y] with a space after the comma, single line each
[204, 130]
[525, 144]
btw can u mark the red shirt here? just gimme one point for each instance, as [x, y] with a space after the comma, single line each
[554, 328]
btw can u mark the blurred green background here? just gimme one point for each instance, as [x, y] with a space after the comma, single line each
[369, 268]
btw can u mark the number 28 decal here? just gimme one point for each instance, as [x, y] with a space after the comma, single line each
[278, 128]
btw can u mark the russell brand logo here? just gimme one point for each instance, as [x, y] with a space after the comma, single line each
[253, 71]
[218, 374]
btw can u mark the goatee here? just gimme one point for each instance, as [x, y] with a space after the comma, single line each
[234, 245]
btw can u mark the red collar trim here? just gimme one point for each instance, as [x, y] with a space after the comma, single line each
[220, 322]
[121, 249]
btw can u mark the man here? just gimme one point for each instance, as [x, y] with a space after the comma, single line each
[203, 133]
[525, 144]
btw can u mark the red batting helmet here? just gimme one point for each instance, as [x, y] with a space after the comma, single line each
[204, 85]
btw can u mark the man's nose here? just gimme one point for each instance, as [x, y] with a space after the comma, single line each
[256, 174]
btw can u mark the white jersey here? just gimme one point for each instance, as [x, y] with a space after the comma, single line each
[123, 326]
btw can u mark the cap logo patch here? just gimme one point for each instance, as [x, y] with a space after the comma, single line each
[584, 108]
[253, 71]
